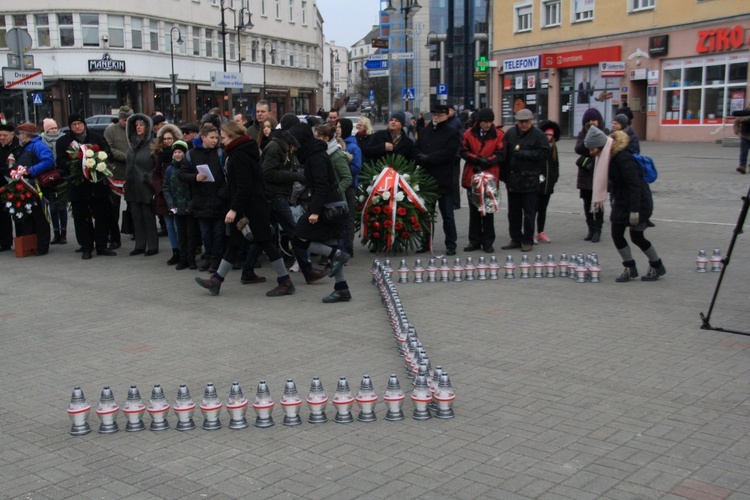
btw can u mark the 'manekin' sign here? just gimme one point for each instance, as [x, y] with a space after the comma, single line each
[106, 63]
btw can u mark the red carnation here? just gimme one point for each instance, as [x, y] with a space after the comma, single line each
[376, 210]
[414, 219]
[376, 235]
[416, 227]
[19, 187]
[80, 154]
[401, 211]
[405, 235]
[18, 204]
[367, 217]
[388, 210]
[96, 148]
[388, 224]
[10, 196]
[360, 207]
[375, 225]
[399, 226]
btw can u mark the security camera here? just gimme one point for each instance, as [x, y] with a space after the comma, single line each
[105, 38]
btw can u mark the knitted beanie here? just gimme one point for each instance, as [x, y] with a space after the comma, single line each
[595, 138]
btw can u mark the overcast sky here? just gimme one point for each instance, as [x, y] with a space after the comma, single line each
[347, 21]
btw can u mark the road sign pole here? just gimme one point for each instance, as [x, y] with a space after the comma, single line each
[23, 67]
[390, 91]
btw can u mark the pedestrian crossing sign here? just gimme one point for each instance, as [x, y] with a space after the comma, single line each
[407, 94]
[37, 99]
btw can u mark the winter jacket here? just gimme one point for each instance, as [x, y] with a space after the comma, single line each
[37, 157]
[526, 154]
[363, 139]
[629, 192]
[319, 177]
[247, 192]
[13, 148]
[489, 146]
[117, 138]
[635, 145]
[585, 162]
[162, 160]
[177, 192]
[355, 165]
[139, 168]
[210, 199]
[80, 189]
[440, 143]
[551, 173]
[51, 141]
[278, 165]
[376, 146]
[342, 173]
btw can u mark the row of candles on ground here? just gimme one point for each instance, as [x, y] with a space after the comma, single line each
[416, 361]
[702, 261]
[426, 396]
[578, 268]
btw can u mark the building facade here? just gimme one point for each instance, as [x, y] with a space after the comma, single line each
[335, 75]
[680, 65]
[97, 56]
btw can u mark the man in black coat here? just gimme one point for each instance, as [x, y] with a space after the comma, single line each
[435, 151]
[392, 141]
[8, 145]
[526, 151]
[86, 198]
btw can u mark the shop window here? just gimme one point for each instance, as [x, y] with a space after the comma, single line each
[90, 30]
[715, 75]
[738, 73]
[523, 17]
[551, 13]
[42, 30]
[583, 10]
[116, 31]
[154, 34]
[65, 27]
[136, 32]
[636, 5]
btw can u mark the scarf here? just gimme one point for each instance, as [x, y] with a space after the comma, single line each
[601, 177]
[236, 142]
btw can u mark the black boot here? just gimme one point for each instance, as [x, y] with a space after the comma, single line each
[63, 237]
[596, 236]
[213, 284]
[175, 259]
[629, 273]
[192, 265]
[655, 270]
[55, 238]
[183, 264]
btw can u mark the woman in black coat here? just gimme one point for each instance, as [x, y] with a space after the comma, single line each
[246, 199]
[313, 231]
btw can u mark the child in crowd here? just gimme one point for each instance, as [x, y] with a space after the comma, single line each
[177, 195]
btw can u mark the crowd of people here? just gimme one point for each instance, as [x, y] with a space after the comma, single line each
[229, 190]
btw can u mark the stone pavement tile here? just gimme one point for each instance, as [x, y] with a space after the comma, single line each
[54, 492]
[335, 490]
[301, 483]
[397, 488]
[697, 490]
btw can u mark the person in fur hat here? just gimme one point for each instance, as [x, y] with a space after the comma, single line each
[139, 186]
[161, 149]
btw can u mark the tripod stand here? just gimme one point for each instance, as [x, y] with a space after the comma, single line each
[725, 261]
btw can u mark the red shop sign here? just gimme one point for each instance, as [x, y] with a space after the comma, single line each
[586, 57]
[720, 39]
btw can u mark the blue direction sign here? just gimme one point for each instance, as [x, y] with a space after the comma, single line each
[407, 94]
[372, 94]
[37, 99]
[442, 89]
[376, 64]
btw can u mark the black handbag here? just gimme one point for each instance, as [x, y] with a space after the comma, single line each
[336, 211]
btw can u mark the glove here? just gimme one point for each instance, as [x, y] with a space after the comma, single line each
[299, 176]
[422, 159]
[477, 169]
[518, 154]
[634, 218]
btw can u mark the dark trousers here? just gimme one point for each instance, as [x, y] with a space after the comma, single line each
[144, 226]
[281, 215]
[542, 201]
[187, 235]
[481, 229]
[521, 215]
[349, 225]
[445, 205]
[593, 221]
[212, 233]
[744, 148]
[237, 241]
[35, 223]
[6, 230]
[637, 237]
[114, 222]
[58, 212]
[92, 220]
[456, 183]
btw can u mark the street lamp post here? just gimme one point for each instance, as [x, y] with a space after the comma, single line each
[272, 52]
[174, 97]
[333, 59]
[240, 27]
[407, 7]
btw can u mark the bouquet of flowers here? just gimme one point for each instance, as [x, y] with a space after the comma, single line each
[18, 198]
[396, 201]
[484, 193]
[95, 163]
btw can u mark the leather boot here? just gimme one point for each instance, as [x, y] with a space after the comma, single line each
[655, 270]
[183, 264]
[338, 296]
[192, 265]
[285, 288]
[629, 273]
[55, 238]
[213, 285]
[63, 237]
[175, 259]
[596, 236]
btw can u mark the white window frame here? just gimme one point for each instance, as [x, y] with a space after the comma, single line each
[88, 30]
[641, 5]
[523, 9]
[548, 6]
[263, 11]
[43, 30]
[291, 11]
[65, 30]
[303, 10]
[153, 35]
[135, 27]
[277, 8]
[115, 30]
[586, 15]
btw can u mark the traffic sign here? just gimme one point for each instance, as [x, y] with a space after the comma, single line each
[23, 79]
[37, 99]
[442, 89]
[376, 64]
[374, 73]
[372, 94]
[377, 57]
[407, 94]
[380, 43]
[404, 55]
[226, 80]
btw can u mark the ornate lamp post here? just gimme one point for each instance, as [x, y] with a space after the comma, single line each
[407, 7]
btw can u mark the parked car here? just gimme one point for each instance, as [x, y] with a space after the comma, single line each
[353, 104]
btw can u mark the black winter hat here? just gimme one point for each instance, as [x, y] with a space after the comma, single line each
[485, 115]
[76, 118]
[302, 132]
[346, 127]
[400, 117]
[288, 121]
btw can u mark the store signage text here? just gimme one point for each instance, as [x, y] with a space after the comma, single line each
[586, 57]
[521, 64]
[106, 63]
[720, 39]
